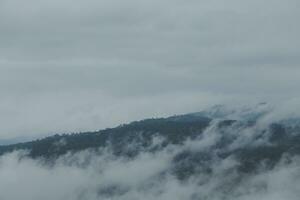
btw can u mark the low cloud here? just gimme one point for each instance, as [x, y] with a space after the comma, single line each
[152, 174]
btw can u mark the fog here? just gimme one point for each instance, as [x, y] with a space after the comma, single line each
[72, 66]
[100, 174]
[108, 177]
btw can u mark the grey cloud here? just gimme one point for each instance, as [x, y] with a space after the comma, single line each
[123, 51]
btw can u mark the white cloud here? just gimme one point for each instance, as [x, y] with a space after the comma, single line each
[89, 175]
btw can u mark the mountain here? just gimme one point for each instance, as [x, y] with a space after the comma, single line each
[216, 154]
[232, 134]
[175, 130]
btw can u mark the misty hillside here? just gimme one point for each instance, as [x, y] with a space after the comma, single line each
[174, 129]
[149, 100]
[216, 154]
[214, 134]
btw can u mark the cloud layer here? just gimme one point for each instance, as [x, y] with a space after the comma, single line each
[91, 175]
[73, 65]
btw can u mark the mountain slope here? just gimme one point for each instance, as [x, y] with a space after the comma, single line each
[174, 129]
[241, 139]
[208, 155]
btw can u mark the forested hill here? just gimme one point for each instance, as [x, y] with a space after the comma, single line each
[199, 137]
[174, 129]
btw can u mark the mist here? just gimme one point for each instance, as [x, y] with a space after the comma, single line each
[152, 173]
[72, 67]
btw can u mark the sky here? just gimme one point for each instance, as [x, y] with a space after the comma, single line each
[70, 66]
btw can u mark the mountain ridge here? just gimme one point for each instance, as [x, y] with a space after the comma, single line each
[226, 157]
[279, 139]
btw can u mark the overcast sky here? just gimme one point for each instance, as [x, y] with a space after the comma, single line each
[70, 65]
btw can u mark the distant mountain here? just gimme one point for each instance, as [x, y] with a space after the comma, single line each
[202, 137]
[218, 154]
[250, 113]
[16, 140]
[174, 129]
